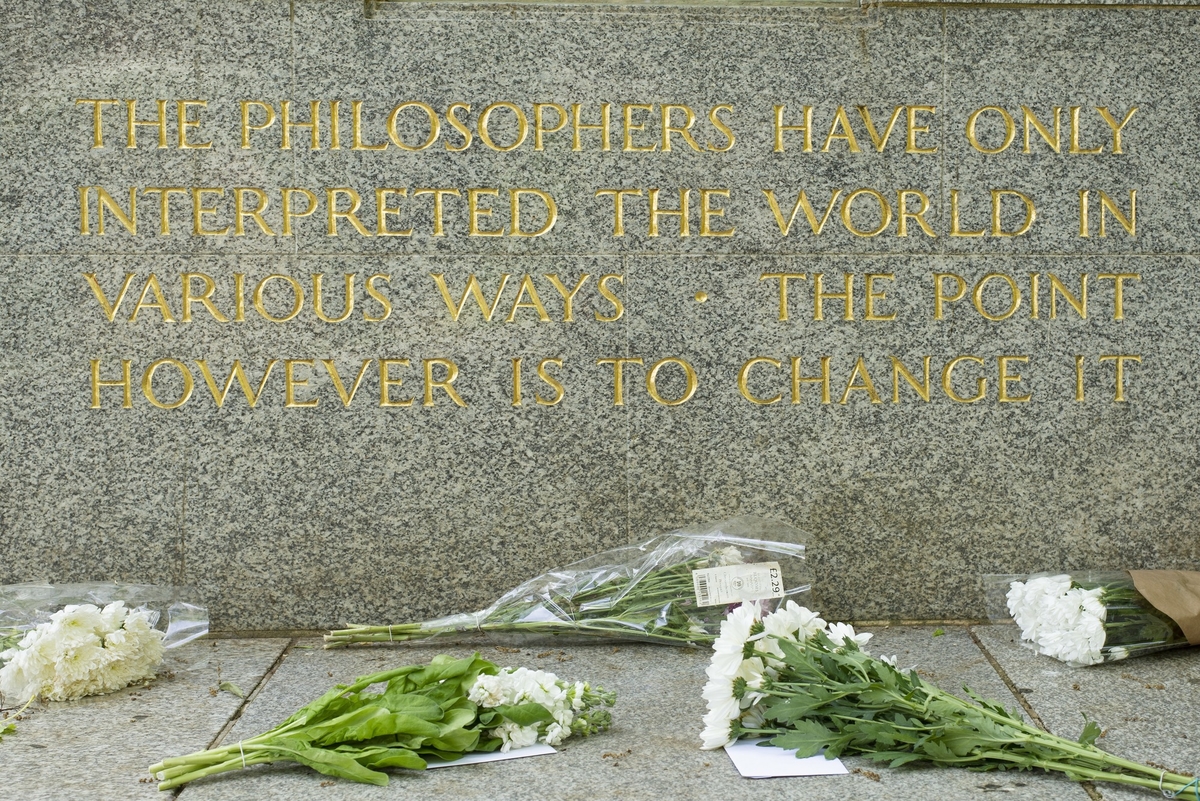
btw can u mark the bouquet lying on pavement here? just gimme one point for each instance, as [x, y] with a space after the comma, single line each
[1101, 616]
[61, 642]
[811, 687]
[649, 592]
[442, 710]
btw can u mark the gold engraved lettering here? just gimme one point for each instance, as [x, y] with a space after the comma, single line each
[602, 127]
[568, 296]
[1053, 140]
[386, 382]
[1079, 304]
[681, 212]
[313, 125]
[805, 128]
[383, 211]
[802, 202]
[689, 374]
[458, 125]
[97, 120]
[288, 214]
[1079, 378]
[783, 288]
[1014, 296]
[522, 126]
[318, 301]
[516, 382]
[720, 125]
[904, 214]
[182, 108]
[350, 214]
[514, 203]
[1120, 372]
[539, 127]
[473, 289]
[268, 121]
[297, 297]
[871, 296]
[148, 383]
[474, 212]
[199, 210]
[132, 123]
[125, 382]
[237, 372]
[1116, 126]
[110, 309]
[1010, 130]
[434, 126]
[346, 395]
[743, 381]
[438, 206]
[375, 295]
[877, 139]
[1076, 149]
[446, 383]
[290, 382]
[618, 365]
[867, 385]
[1107, 205]
[239, 292]
[1118, 280]
[204, 298]
[846, 296]
[913, 129]
[707, 213]
[611, 297]
[684, 130]
[1007, 378]
[356, 142]
[240, 213]
[955, 229]
[822, 379]
[940, 297]
[947, 376]
[885, 213]
[1030, 213]
[84, 213]
[921, 387]
[105, 201]
[1033, 295]
[618, 196]
[631, 128]
[840, 120]
[535, 302]
[550, 381]
[335, 134]
[159, 302]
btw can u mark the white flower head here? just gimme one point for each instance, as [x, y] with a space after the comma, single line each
[842, 633]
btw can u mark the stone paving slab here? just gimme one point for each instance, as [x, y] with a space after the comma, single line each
[652, 751]
[98, 749]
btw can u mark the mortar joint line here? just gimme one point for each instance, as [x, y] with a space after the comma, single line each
[250, 696]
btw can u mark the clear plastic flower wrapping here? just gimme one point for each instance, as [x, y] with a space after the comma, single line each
[1085, 617]
[640, 592]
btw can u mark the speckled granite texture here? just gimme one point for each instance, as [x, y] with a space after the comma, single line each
[313, 517]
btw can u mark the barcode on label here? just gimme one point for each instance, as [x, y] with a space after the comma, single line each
[717, 586]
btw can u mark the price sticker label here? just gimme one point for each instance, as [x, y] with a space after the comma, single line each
[721, 586]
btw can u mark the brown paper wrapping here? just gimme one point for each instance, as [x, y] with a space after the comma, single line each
[1175, 593]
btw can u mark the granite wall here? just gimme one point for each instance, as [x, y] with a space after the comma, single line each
[317, 505]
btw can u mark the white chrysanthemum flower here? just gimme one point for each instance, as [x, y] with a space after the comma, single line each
[842, 633]
[727, 556]
[730, 645]
[1117, 653]
[1030, 602]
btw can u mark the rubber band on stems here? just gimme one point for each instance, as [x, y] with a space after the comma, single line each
[1194, 785]
[243, 750]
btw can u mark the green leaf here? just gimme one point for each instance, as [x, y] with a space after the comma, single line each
[231, 688]
[807, 737]
[369, 722]
[526, 714]
[1090, 732]
[393, 758]
[339, 765]
[419, 706]
[939, 632]
[460, 740]
[7, 728]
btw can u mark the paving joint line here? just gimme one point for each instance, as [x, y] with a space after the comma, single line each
[1088, 787]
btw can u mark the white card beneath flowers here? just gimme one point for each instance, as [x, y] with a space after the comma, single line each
[755, 761]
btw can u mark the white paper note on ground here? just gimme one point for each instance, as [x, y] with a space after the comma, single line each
[768, 762]
[477, 757]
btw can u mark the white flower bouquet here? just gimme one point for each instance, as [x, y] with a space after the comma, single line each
[671, 589]
[62, 642]
[803, 685]
[442, 710]
[1095, 616]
